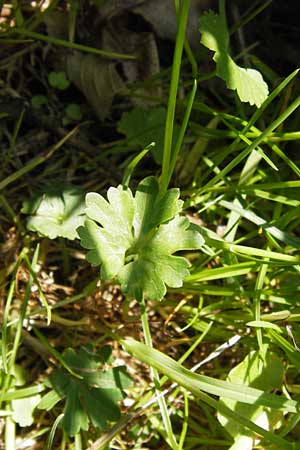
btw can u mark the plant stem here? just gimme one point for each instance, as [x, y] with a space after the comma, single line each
[166, 175]
[10, 432]
[185, 420]
[78, 442]
[154, 373]
[9, 363]
[52, 432]
[182, 130]
[71, 45]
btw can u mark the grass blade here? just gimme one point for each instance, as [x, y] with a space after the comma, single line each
[173, 94]
[196, 383]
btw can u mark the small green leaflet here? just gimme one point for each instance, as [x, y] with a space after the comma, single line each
[133, 238]
[143, 126]
[94, 398]
[58, 80]
[248, 83]
[58, 212]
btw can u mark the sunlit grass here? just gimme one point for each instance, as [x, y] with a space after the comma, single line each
[238, 172]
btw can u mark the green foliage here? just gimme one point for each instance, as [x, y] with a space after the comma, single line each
[248, 83]
[133, 238]
[38, 101]
[58, 80]
[58, 212]
[93, 396]
[142, 126]
[241, 186]
[196, 383]
[73, 112]
[238, 392]
[261, 370]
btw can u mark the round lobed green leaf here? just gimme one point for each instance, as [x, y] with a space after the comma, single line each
[134, 238]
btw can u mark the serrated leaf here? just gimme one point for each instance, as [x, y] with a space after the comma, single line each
[155, 266]
[75, 417]
[56, 213]
[22, 410]
[262, 371]
[133, 238]
[248, 83]
[143, 126]
[94, 397]
[102, 405]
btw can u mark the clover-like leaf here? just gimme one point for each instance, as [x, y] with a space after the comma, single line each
[58, 212]
[248, 83]
[134, 238]
[93, 398]
[58, 80]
